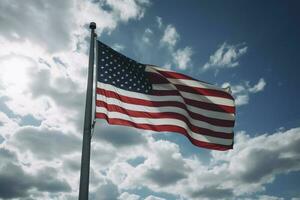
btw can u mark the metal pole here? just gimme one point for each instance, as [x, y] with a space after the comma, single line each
[86, 143]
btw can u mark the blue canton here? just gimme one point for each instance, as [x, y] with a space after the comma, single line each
[120, 71]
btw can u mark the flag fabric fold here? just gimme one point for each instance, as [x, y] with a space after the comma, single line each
[148, 97]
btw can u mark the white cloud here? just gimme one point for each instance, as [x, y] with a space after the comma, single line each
[241, 99]
[118, 47]
[43, 161]
[170, 37]
[35, 20]
[151, 197]
[127, 196]
[226, 56]
[243, 171]
[243, 90]
[128, 9]
[43, 77]
[159, 22]
[259, 86]
[146, 36]
[267, 197]
[182, 58]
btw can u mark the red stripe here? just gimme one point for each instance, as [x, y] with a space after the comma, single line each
[199, 104]
[164, 128]
[176, 75]
[158, 79]
[196, 116]
[204, 91]
[163, 115]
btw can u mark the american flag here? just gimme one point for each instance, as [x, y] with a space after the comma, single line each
[148, 97]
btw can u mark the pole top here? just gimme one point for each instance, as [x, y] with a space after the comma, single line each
[92, 25]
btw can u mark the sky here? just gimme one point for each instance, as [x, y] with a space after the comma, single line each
[251, 46]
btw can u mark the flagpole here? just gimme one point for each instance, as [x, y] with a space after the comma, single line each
[86, 143]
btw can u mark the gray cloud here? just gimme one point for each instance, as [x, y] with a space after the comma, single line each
[15, 182]
[46, 143]
[264, 163]
[212, 192]
[107, 191]
[64, 91]
[164, 177]
[44, 22]
[119, 136]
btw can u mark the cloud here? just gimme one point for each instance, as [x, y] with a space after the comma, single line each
[118, 47]
[128, 9]
[127, 196]
[106, 191]
[267, 197]
[256, 161]
[182, 57]
[15, 182]
[146, 36]
[119, 137]
[242, 91]
[159, 22]
[212, 193]
[236, 174]
[259, 86]
[36, 20]
[46, 143]
[170, 37]
[226, 56]
[151, 197]
[241, 100]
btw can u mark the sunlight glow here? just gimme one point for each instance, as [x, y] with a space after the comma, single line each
[14, 72]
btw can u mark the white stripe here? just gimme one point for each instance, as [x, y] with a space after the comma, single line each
[207, 113]
[193, 96]
[148, 109]
[196, 97]
[185, 82]
[179, 123]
